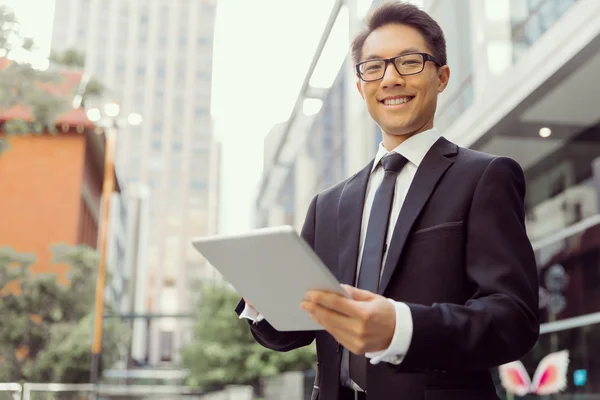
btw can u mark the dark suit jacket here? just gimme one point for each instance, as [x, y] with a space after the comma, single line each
[459, 258]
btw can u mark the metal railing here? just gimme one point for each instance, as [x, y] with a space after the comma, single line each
[14, 391]
[63, 391]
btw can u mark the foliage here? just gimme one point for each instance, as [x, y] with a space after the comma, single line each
[20, 84]
[47, 336]
[68, 58]
[8, 30]
[224, 352]
[72, 58]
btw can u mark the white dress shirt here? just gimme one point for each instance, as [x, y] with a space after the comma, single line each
[414, 150]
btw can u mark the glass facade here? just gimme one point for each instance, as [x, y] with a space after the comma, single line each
[570, 275]
[561, 186]
[563, 221]
[530, 19]
[458, 96]
[287, 198]
[326, 137]
[570, 286]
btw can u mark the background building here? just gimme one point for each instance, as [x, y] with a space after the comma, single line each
[37, 214]
[156, 58]
[523, 85]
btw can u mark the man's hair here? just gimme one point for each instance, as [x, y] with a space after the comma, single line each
[405, 14]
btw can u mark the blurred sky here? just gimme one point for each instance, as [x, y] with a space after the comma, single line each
[246, 102]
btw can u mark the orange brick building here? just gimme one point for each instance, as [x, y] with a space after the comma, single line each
[51, 183]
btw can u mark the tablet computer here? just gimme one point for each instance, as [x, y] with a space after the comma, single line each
[272, 268]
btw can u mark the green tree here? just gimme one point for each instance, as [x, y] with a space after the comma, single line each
[20, 84]
[68, 58]
[72, 58]
[224, 352]
[47, 331]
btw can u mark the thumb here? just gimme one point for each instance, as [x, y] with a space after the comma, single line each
[358, 294]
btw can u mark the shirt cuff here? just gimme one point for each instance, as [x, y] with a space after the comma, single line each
[251, 314]
[400, 343]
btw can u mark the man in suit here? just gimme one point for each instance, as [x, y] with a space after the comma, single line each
[429, 240]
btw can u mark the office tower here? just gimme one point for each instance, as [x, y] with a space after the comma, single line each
[155, 59]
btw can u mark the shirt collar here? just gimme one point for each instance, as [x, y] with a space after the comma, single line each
[413, 149]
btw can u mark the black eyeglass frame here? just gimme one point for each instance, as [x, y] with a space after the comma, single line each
[426, 57]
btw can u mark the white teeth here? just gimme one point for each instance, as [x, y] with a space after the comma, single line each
[391, 102]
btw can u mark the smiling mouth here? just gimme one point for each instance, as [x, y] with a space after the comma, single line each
[397, 101]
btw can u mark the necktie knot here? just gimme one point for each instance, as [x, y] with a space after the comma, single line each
[393, 162]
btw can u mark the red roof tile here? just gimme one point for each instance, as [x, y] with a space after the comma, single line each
[68, 86]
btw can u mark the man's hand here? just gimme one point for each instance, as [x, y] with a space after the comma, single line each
[365, 323]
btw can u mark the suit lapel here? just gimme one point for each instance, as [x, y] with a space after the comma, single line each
[432, 168]
[350, 211]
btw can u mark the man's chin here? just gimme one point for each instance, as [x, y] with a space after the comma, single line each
[398, 131]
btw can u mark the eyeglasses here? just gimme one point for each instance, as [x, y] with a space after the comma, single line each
[406, 64]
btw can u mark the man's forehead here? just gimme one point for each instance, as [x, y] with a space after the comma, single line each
[392, 40]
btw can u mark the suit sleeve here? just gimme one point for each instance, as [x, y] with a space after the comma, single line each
[499, 323]
[263, 332]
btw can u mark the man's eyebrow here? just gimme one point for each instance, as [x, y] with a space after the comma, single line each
[405, 51]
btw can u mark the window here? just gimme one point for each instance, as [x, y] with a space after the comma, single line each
[531, 19]
[139, 98]
[160, 71]
[100, 70]
[205, 41]
[166, 346]
[198, 184]
[200, 149]
[203, 75]
[162, 41]
[560, 180]
[120, 68]
[156, 145]
[201, 112]
[178, 103]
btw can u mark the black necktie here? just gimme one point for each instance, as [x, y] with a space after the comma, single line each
[373, 250]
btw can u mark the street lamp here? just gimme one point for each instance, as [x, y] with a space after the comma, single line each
[109, 121]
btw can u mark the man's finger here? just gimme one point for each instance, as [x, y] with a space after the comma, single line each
[335, 302]
[327, 318]
[358, 294]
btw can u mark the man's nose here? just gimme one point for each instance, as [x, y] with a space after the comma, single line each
[391, 77]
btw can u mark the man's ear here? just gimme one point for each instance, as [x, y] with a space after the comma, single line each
[359, 87]
[443, 78]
